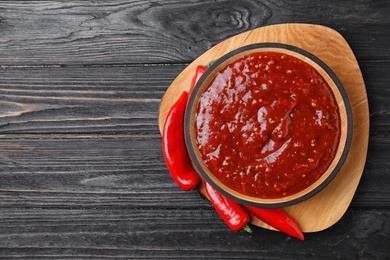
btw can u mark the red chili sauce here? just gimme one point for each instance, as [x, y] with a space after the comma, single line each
[268, 125]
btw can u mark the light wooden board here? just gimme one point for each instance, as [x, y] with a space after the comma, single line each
[327, 207]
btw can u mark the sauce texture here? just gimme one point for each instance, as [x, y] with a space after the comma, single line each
[268, 125]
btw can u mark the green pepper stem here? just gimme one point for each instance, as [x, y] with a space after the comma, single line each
[247, 228]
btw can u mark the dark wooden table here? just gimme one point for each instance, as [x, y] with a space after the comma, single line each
[82, 173]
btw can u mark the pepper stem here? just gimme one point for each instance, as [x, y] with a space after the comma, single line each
[210, 63]
[247, 228]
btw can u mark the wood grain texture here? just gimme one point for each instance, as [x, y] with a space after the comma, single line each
[81, 169]
[129, 171]
[101, 198]
[117, 32]
[120, 99]
[183, 234]
[116, 100]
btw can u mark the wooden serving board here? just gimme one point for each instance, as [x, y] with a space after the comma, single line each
[327, 207]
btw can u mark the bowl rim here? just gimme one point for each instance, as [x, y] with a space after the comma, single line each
[349, 116]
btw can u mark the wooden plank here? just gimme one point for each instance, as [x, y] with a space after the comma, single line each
[120, 100]
[114, 100]
[377, 80]
[126, 172]
[179, 234]
[377, 170]
[81, 32]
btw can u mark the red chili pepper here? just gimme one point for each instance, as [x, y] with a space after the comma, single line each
[278, 219]
[200, 69]
[231, 212]
[174, 149]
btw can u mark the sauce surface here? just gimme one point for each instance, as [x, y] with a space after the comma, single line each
[268, 125]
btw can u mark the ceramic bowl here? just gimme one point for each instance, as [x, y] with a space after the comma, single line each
[346, 126]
